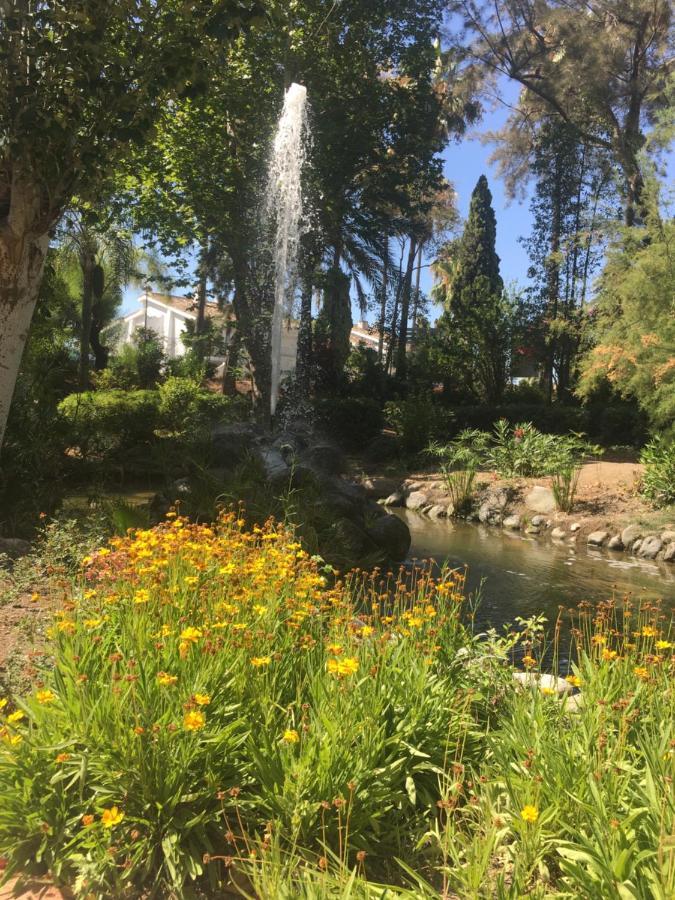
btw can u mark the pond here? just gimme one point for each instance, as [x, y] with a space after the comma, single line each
[523, 576]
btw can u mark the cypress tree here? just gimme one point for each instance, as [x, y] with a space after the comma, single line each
[475, 330]
[477, 275]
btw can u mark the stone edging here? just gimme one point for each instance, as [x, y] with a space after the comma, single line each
[493, 509]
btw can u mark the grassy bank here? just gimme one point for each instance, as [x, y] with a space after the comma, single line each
[219, 711]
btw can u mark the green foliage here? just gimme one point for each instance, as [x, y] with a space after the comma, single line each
[476, 329]
[138, 365]
[658, 481]
[633, 324]
[417, 421]
[237, 724]
[111, 424]
[351, 421]
[518, 451]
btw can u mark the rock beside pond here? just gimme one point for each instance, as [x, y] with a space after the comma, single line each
[437, 511]
[597, 538]
[650, 547]
[416, 500]
[13, 547]
[574, 702]
[395, 499]
[668, 537]
[512, 522]
[541, 500]
[491, 511]
[669, 555]
[630, 535]
[548, 683]
[574, 527]
[380, 487]
[615, 543]
[539, 521]
[532, 529]
[558, 534]
[392, 535]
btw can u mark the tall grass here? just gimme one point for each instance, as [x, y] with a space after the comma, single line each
[219, 715]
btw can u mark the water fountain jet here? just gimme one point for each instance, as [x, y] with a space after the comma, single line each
[284, 206]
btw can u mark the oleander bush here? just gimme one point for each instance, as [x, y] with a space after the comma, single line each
[222, 714]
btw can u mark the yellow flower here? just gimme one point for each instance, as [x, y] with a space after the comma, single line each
[347, 666]
[641, 672]
[92, 623]
[45, 697]
[34, 597]
[291, 736]
[190, 635]
[529, 661]
[111, 817]
[201, 699]
[3, 702]
[8, 738]
[608, 655]
[529, 813]
[142, 596]
[166, 679]
[664, 645]
[573, 680]
[649, 631]
[194, 720]
[335, 649]
[366, 631]
[15, 717]
[259, 661]
[598, 639]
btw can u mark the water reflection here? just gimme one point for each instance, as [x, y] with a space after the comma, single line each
[524, 576]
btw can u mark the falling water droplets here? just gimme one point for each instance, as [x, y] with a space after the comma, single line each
[284, 209]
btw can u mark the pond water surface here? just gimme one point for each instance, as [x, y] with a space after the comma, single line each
[524, 576]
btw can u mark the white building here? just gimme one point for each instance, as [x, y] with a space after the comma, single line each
[168, 316]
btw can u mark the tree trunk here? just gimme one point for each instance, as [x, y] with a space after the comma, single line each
[303, 360]
[416, 298]
[402, 348]
[228, 384]
[87, 263]
[383, 298]
[22, 259]
[553, 279]
[101, 353]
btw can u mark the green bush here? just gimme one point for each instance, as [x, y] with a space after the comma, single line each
[351, 421]
[108, 424]
[658, 482]
[417, 421]
[185, 406]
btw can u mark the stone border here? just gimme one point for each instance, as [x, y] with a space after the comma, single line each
[493, 509]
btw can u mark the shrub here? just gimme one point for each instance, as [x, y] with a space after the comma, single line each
[109, 424]
[658, 482]
[417, 421]
[350, 421]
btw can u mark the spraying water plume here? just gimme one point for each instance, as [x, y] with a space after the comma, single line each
[285, 211]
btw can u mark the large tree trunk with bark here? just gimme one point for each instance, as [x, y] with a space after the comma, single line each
[23, 250]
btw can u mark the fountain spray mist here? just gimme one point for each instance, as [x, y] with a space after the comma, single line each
[285, 210]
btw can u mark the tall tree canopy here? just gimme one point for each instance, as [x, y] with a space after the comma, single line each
[600, 65]
[79, 81]
[475, 325]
